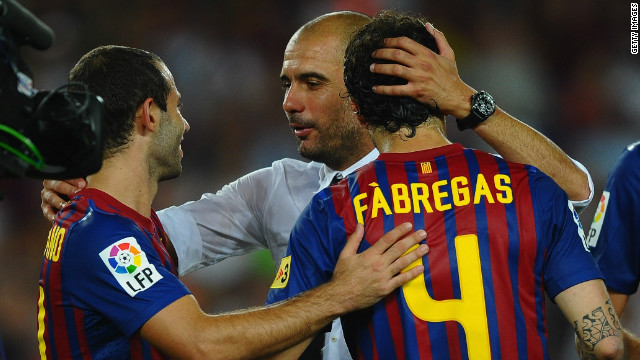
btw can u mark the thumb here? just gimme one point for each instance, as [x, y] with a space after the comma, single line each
[353, 242]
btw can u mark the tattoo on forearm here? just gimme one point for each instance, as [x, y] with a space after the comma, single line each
[596, 326]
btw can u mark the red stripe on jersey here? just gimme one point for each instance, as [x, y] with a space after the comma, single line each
[395, 325]
[56, 309]
[424, 341]
[81, 337]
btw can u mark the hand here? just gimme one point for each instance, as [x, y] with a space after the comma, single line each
[432, 78]
[52, 193]
[363, 279]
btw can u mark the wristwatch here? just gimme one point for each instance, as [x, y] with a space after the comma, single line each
[482, 106]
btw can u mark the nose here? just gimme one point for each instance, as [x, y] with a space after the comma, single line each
[186, 125]
[292, 100]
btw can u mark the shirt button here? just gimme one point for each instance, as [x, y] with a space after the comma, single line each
[334, 339]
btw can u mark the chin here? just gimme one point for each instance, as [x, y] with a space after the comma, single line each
[171, 174]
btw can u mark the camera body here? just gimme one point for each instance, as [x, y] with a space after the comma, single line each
[53, 134]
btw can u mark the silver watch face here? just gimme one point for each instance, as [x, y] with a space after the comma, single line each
[484, 104]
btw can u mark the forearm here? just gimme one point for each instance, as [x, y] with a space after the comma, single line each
[183, 331]
[273, 329]
[517, 142]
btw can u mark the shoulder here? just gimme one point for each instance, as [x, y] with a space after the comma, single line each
[282, 169]
[297, 167]
[628, 164]
[90, 226]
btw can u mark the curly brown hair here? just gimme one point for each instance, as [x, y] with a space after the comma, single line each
[390, 112]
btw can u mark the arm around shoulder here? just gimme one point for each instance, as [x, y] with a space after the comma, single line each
[182, 330]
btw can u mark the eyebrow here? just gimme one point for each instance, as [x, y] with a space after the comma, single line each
[305, 76]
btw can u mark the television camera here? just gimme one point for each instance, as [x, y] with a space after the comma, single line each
[54, 134]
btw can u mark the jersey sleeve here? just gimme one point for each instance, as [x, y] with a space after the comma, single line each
[117, 273]
[615, 230]
[568, 261]
[311, 255]
[580, 205]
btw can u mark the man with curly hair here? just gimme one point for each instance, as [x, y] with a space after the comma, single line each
[500, 233]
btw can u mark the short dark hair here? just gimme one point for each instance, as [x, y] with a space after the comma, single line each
[390, 112]
[124, 77]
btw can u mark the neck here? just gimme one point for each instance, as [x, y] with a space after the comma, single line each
[355, 156]
[429, 135]
[123, 177]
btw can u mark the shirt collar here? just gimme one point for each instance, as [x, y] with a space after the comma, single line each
[327, 174]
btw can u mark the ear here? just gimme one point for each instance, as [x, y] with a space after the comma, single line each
[147, 115]
[356, 110]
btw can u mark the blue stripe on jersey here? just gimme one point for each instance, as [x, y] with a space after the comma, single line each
[513, 227]
[354, 190]
[383, 181]
[72, 330]
[441, 351]
[408, 324]
[383, 337]
[382, 331]
[484, 248]
[52, 343]
[365, 345]
[538, 270]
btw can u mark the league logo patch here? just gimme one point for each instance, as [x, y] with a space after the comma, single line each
[598, 219]
[129, 265]
[282, 276]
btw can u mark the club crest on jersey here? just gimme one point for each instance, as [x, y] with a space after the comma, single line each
[129, 265]
[598, 219]
[576, 219]
[282, 276]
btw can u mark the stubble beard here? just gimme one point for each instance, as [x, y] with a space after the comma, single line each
[338, 144]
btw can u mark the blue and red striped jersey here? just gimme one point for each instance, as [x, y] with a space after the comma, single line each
[105, 272]
[500, 234]
[615, 231]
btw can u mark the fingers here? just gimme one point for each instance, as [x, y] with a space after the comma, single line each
[390, 238]
[441, 41]
[64, 187]
[353, 242]
[79, 183]
[47, 211]
[406, 251]
[52, 193]
[408, 275]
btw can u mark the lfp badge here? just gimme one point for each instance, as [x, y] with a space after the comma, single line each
[129, 265]
[598, 219]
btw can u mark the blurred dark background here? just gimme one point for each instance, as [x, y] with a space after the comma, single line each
[563, 67]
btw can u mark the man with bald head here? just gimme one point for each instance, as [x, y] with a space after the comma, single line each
[258, 210]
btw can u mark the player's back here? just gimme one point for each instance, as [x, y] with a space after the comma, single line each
[482, 292]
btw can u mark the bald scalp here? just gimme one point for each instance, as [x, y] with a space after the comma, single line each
[339, 24]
